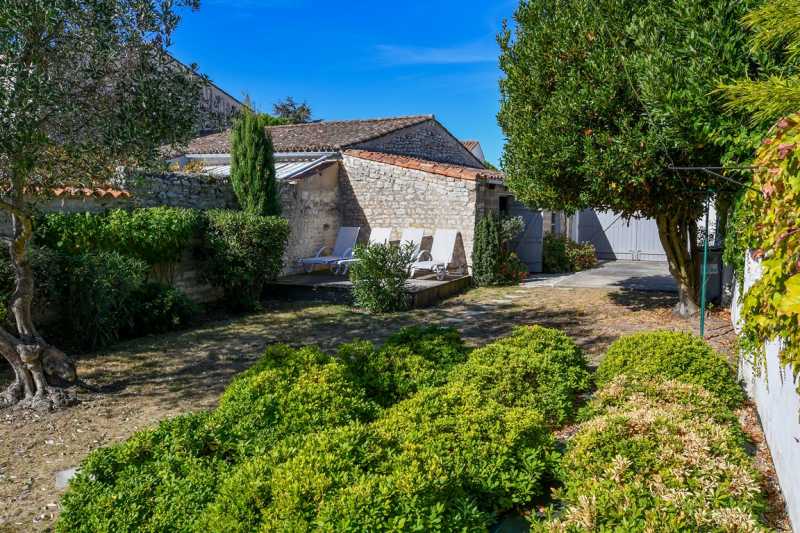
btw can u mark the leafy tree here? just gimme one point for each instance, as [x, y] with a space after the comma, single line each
[292, 112]
[775, 25]
[253, 165]
[86, 88]
[602, 97]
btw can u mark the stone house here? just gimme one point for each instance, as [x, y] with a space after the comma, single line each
[392, 172]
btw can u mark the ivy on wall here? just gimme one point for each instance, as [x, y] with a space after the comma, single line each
[771, 308]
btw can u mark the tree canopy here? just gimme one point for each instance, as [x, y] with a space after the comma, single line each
[602, 97]
[86, 88]
[292, 112]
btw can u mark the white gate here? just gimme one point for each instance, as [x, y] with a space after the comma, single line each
[529, 244]
[615, 238]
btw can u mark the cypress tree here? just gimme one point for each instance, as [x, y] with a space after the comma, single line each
[486, 251]
[253, 165]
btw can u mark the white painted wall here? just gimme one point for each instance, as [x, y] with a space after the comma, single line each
[774, 391]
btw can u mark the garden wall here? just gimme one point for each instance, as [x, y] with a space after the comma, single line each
[774, 391]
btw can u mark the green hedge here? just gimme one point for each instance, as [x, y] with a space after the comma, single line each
[671, 355]
[535, 367]
[446, 459]
[657, 456]
[562, 254]
[155, 235]
[242, 252]
[95, 299]
[300, 442]
[162, 480]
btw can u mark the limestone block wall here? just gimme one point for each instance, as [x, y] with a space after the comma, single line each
[427, 140]
[376, 194]
[311, 205]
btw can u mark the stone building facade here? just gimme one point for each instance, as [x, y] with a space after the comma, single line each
[397, 172]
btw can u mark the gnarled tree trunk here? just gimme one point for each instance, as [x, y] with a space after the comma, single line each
[678, 234]
[31, 358]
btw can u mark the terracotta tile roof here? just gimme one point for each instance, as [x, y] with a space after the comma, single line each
[441, 169]
[313, 137]
[75, 192]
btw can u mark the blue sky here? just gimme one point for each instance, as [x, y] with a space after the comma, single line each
[357, 59]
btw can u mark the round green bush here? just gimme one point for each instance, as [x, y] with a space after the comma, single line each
[164, 479]
[671, 355]
[413, 358]
[444, 460]
[657, 456]
[535, 367]
[380, 277]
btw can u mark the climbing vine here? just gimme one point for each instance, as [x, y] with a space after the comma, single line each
[771, 307]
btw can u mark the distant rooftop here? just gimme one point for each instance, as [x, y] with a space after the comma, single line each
[313, 137]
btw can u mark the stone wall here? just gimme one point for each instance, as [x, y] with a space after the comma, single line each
[427, 140]
[173, 190]
[380, 195]
[311, 204]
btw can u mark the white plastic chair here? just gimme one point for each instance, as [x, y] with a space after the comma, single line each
[376, 236]
[441, 255]
[413, 236]
[343, 249]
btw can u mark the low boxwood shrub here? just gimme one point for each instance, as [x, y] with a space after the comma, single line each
[657, 456]
[242, 252]
[411, 359]
[380, 277]
[444, 460]
[671, 355]
[164, 479]
[535, 367]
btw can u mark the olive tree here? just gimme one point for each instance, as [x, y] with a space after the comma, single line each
[86, 89]
[601, 98]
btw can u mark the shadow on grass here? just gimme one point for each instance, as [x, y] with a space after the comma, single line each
[637, 300]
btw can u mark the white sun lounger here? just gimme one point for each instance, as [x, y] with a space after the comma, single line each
[343, 249]
[441, 255]
[376, 236]
[413, 236]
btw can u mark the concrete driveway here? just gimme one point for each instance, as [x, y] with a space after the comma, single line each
[631, 275]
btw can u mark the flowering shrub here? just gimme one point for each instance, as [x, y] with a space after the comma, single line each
[657, 456]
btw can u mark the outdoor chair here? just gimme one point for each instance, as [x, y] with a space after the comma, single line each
[343, 249]
[376, 236]
[413, 236]
[439, 259]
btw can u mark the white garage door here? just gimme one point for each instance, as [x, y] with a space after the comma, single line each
[615, 238]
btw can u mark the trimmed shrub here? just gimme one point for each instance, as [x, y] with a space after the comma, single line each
[156, 235]
[380, 277]
[657, 456]
[97, 298]
[159, 308]
[411, 359]
[444, 460]
[561, 254]
[536, 368]
[164, 479]
[581, 256]
[48, 273]
[671, 355]
[243, 251]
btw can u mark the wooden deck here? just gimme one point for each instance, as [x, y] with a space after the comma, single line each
[425, 291]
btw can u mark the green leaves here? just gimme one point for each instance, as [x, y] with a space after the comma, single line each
[253, 174]
[380, 277]
[789, 302]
